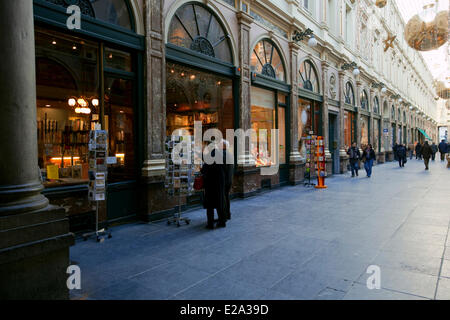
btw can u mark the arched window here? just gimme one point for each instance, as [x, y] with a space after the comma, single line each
[308, 74]
[364, 100]
[376, 106]
[349, 94]
[111, 11]
[266, 60]
[196, 28]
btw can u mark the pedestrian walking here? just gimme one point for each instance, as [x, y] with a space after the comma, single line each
[401, 155]
[368, 157]
[214, 185]
[426, 153]
[229, 173]
[434, 149]
[354, 157]
[411, 151]
[418, 151]
[395, 148]
[443, 149]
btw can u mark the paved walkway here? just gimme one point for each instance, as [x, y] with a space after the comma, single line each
[291, 243]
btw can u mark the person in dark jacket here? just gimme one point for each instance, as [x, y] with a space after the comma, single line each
[434, 148]
[354, 157]
[418, 151]
[443, 149]
[214, 185]
[369, 157]
[395, 149]
[401, 155]
[426, 153]
[229, 173]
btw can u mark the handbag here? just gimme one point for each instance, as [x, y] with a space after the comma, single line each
[198, 183]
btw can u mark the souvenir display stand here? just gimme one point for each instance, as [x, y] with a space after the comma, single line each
[310, 159]
[180, 172]
[321, 163]
[98, 171]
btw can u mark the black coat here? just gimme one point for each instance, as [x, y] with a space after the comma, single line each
[369, 155]
[401, 152]
[354, 154]
[418, 148]
[426, 151]
[443, 147]
[214, 177]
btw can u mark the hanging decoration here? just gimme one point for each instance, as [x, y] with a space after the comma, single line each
[389, 42]
[427, 30]
[381, 3]
[443, 88]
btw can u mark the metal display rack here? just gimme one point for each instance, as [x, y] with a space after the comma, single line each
[180, 174]
[310, 159]
[98, 150]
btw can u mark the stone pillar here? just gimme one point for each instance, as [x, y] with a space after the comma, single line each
[248, 177]
[155, 200]
[296, 161]
[34, 236]
[325, 122]
[390, 153]
[358, 113]
[342, 148]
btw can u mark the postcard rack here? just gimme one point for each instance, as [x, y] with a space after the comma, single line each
[180, 173]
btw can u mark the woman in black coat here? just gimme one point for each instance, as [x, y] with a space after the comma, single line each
[214, 186]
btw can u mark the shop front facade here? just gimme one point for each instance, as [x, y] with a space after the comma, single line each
[89, 78]
[146, 70]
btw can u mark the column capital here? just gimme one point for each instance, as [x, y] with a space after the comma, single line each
[244, 18]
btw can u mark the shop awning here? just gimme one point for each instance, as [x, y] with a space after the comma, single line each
[425, 134]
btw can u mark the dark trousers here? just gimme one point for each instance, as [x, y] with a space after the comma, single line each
[427, 162]
[402, 161]
[442, 156]
[354, 166]
[411, 155]
[433, 156]
[210, 216]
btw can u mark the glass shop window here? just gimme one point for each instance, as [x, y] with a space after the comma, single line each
[364, 131]
[194, 95]
[68, 108]
[262, 121]
[349, 128]
[308, 120]
[119, 122]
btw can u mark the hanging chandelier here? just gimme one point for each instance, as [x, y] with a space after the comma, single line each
[81, 104]
[381, 3]
[443, 88]
[427, 30]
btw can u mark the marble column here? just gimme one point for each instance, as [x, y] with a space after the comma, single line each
[154, 165]
[296, 160]
[358, 113]
[248, 176]
[325, 115]
[342, 148]
[34, 236]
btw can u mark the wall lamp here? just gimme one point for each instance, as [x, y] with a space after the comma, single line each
[354, 66]
[300, 36]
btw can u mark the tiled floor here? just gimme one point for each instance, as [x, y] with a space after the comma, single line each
[291, 243]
